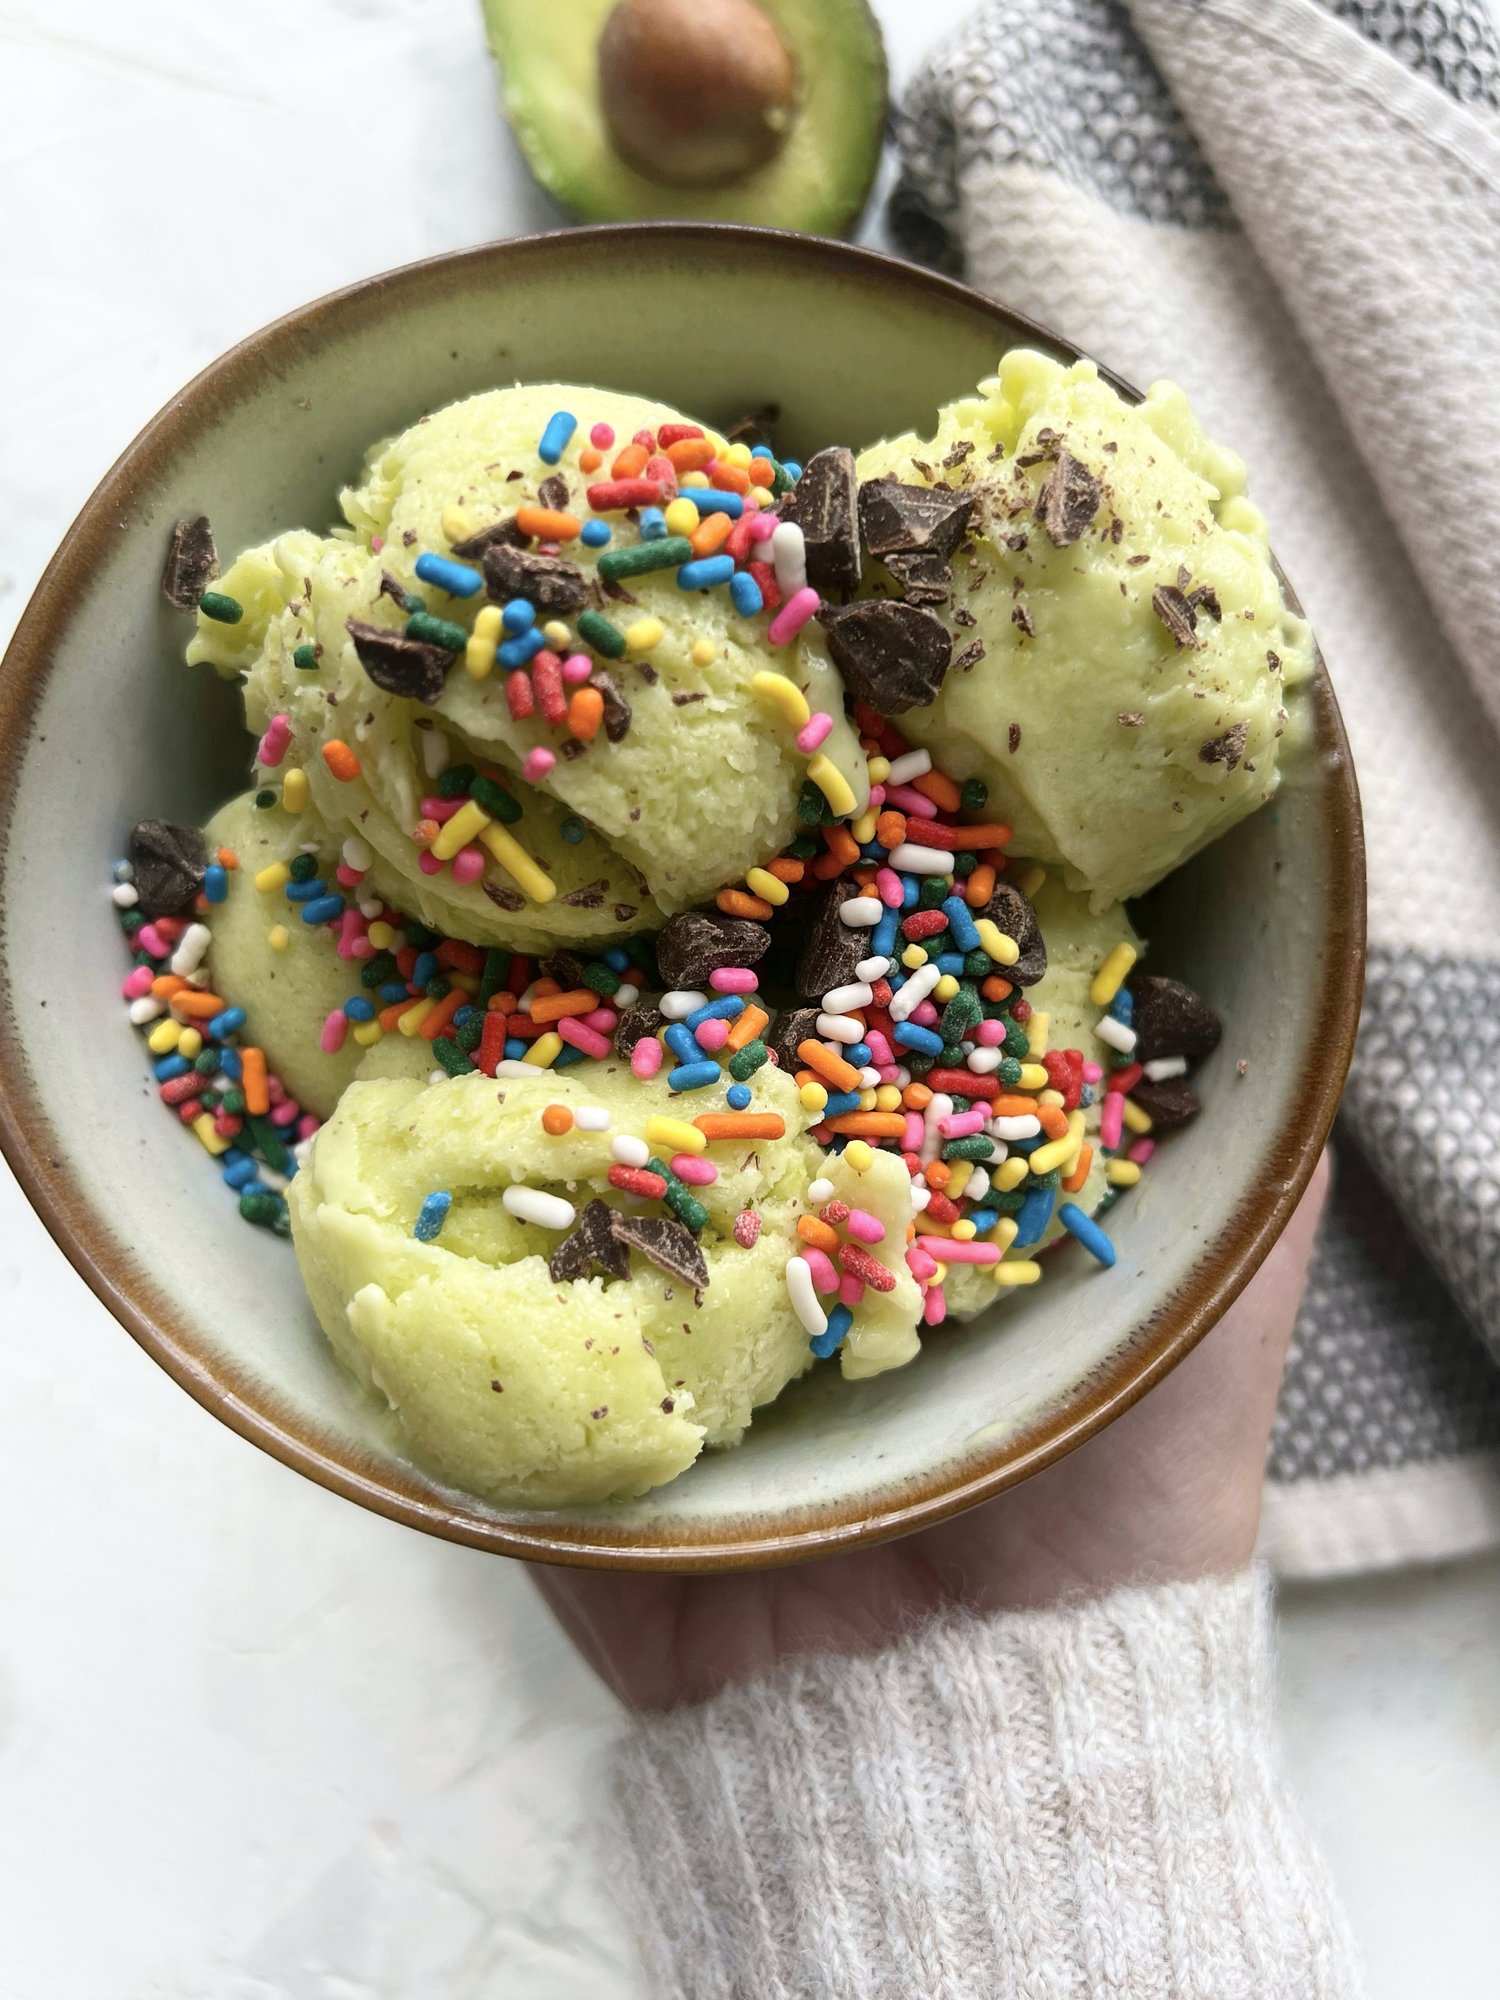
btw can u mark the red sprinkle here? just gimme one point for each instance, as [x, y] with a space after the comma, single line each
[610, 496]
[940, 1208]
[638, 1180]
[674, 434]
[518, 695]
[547, 680]
[856, 1262]
[491, 1043]
[1124, 1080]
[765, 576]
[924, 924]
[747, 1228]
[963, 1083]
[835, 1211]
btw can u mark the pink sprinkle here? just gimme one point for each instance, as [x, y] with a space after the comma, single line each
[934, 1306]
[441, 809]
[227, 1125]
[272, 746]
[908, 801]
[888, 1072]
[602, 436]
[275, 1090]
[603, 1020]
[712, 1036]
[793, 615]
[576, 669]
[747, 1229]
[538, 763]
[694, 1169]
[429, 864]
[888, 887]
[922, 1267]
[1141, 1151]
[949, 1250]
[1092, 1072]
[813, 732]
[361, 948]
[351, 925]
[962, 1124]
[733, 979]
[763, 527]
[377, 543]
[335, 1028]
[925, 1014]
[645, 1057]
[752, 501]
[1111, 1121]
[912, 1137]
[851, 1290]
[150, 939]
[137, 983]
[347, 877]
[825, 1278]
[877, 797]
[285, 1114]
[468, 864]
[881, 1052]
[659, 466]
[990, 1034]
[307, 1124]
[578, 1036]
[821, 1134]
[863, 1226]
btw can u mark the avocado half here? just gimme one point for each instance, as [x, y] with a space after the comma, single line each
[819, 179]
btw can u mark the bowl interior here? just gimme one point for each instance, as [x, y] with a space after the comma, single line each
[100, 723]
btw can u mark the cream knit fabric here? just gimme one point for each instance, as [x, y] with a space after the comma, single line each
[1081, 1803]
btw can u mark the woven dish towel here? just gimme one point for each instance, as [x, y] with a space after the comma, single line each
[1292, 207]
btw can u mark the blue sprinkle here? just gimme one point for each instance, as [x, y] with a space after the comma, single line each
[840, 1101]
[241, 1171]
[679, 1039]
[872, 851]
[424, 969]
[923, 1040]
[519, 615]
[306, 892]
[1087, 1096]
[617, 959]
[1122, 1007]
[556, 436]
[858, 1053]
[747, 594]
[762, 451]
[572, 829]
[170, 1067]
[516, 652]
[883, 937]
[323, 910]
[839, 1322]
[434, 1214]
[229, 1062]
[791, 468]
[122, 872]
[464, 1015]
[457, 578]
[1088, 1232]
[705, 573]
[911, 890]
[394, 990]
[566, 1056]
[1033, 1216]
[594, 534]
[961, 923]
[984, 1220]
[710, 500]
[728, 1008]
[737, 1096]
[1026, 1147]
[950, 961]
[215, 883]
[228, 1023]
[694, 1076]
[515, 1049]
[358, 1008]
[652, 524]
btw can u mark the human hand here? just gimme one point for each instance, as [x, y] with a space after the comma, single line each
[1170, 1491]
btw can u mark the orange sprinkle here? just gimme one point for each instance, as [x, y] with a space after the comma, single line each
[341, 760]
[831, 1068]
[590, 460]
[425, 832]
[389, 1016]
[993, 987]
[745, 1030]
[737, 903]
[826, 867]
[787, 868]
[868, 1125]
[911, 1232]
[689, 454]
[197, 1006]
[937, 1173]
[585, 713]
[253, 1082]
[730, 478]
[710, 535]
[890, 829]
[821, 1234]
[166, 984]
[841, 842]
[502, 1003]
[741, 1124]
[548, 524]
[228, 858]
[630, 461]
[987, 838]
[1013, 1107]
[540, 988]
[916, 1097]
[437, 1021]
[994, 857]
[1054, 1120]
[761, 472]
[935, 785]
[549, 1007]
[865, 877]
[980, 885]
[801, 1076]
[557, 1118]
[1080, 1173]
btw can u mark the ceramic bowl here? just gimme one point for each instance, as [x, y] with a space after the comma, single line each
[100, 723]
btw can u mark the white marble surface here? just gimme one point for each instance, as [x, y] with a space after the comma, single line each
[256, 1744]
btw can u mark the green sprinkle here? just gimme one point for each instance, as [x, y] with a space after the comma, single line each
[436, 631]
[451, 1056]
[601, 978]
[810, 804]
[978, 965]
[262, 1208]
[496, 800]
[422, 938]
[639, 558]
[802, 849]
[977, 1148]
[1017, 1042]
[302, 867]
[377, 970]
[917, 1065]
[781, 480]
[470, 1034]
[131, 921]
[934, 893]
[1008, 1203]
[454, 782]
[965, 863]
[689, 1211]
[234, 1102]
[266, 797]
[1009, 1072]
[225, 610]
[604, 637]
[268, 1144]
[975, 794]
[306, 657]
[496, 967]
[437, 988]
[207, 1064]
[746, 1061]
[952, 1056]
[961, 1013]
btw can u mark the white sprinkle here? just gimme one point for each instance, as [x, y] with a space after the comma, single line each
[939, 1106]
[839, 1028]
[548, 1211]
[434, 752]
[860, 912]
[984, 1062]
[301, 1150]
[370, 906]
[357, 853]
[921, 1194]
[628, 1150]
[977, 1185]
[626, 995]
[870, 969]
[869, 1079]
[190, 949]
[906, 999]
[513, 1066]
[915, 764]
[679, 1003]
[436, 1076]
[789, 557]
[523, 1005]
[803, 1294]
[591, 1118]
[1165, 1066]
[147, 1008]
[1116, 1034]
[902, 1077]
[844, 999]
[268, 1177]
[1025, 1127]
[819, 1191]
[124, 895]
[907, 858]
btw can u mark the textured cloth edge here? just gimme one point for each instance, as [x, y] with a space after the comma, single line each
[1382, 1519]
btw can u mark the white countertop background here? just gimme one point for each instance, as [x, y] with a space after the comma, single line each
[256, 1744]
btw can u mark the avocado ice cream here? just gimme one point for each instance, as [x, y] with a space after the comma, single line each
[691, 781]
[1122, 644]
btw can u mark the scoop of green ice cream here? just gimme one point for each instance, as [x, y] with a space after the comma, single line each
[1122, 646]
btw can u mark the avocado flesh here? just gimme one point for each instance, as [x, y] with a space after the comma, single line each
[819, 180]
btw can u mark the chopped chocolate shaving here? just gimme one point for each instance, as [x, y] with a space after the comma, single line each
[1176, 613]
[971, 655]
[647, 672]
[666, 1244]
[1170, 1019]
[958, 454]
[1116, 530]
[922, 578]
[823, 504]
[503, 899]
[1015, 543]
[685, 695]
[553, 492]
[1013, 737]
[1273, 661]
[1131, 718]
[963, 616]
[1206, 598]
[392, 587]
[896, 519]
[398, 664]
[893, 656]
[637, 1024]
[698, 942]
[788, 1032]
[169, 862]
[1226, 749]
[592, 1240]
[610, 587]
[625, 911]
[1009, 910]
[551, 582]
[503, 534]
[1134, 562]
[192, 563]
[588, 896]
[927, 471]
[1169, 1104]
[1068, 501]
[572, 749]
[830, 948]
[616, 707]
[1022, 617]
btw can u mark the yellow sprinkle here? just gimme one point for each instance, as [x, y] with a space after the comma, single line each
[964, 1231]
[681, 516]
[812, 1097]
[164, 1037]
[468, 982]
[832, 783]
[1111, 975]
[1010, 1174]
[479, 653]
[644, 634]
[294, 789]
[1033, 1077]
[912, 956]
[888, 1098]
[1032, 880]
[863, 828]
[1002, 949]
[940, 1275]
[1004, 1232]
[413, 1018]
[736, 454]
[945, 989]
[544, 1051]
[761, 883]
[693, 479]
[1017, 1271]
[457, 527]
[213, 1142]
[867, 1100]
[557, 635]
[675, 1134]
[367, 1033]
[958, 1178]
[1136, 1120]
[1076, 1124]
[702, 654]
[531, 880]
[1037, 1030]
[278, 937]
[784, 696]
[190, 1043]
[1122, 1173]
[274, 876]
[1053, 1154]
[381, 934]
[1053, 1097]
[859, 1155]
[467, 824]
[880, 770]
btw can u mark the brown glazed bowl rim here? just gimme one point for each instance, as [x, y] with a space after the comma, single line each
[79, 1231]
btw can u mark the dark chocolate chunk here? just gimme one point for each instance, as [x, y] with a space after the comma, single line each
[192, 563]
[637, 1023]
[971, 655]
[169, 862]
[824, 505]
[1068, 501]
[788, 1032]
[616, 707]
[400, 665]
[893, 656]
[699, 942]
[553, 493]
[1009, 910]
[1176, 613]
[922, 576]
[830, 948]
[592, 1240]
[895, 519]
[1170, 1019]
[551, 583]
[566, 967]
[502, 534]
[666, 1244]
[1169, 1104]
[588, 896]
[1227, 749]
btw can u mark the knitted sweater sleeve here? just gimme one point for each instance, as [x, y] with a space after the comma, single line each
[1081, 1802]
